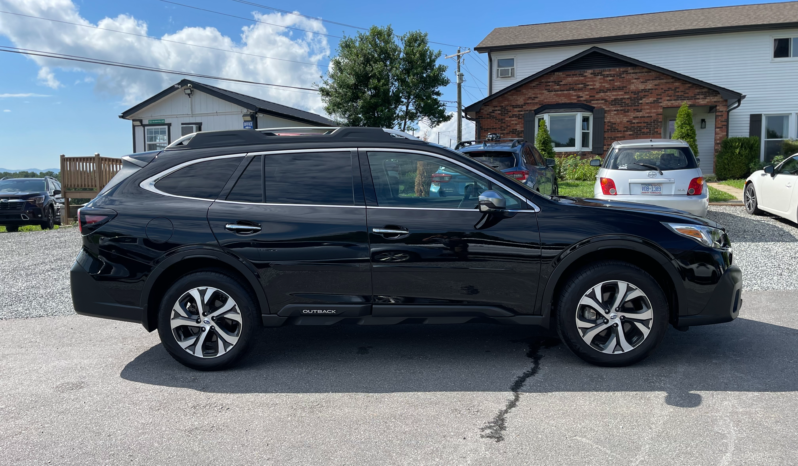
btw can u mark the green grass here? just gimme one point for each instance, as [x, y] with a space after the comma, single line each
[716, 195]
[26, 228]
[739, 184]
[577, 188]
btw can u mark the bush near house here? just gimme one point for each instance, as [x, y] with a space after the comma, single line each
[685, 129]
[790, 147]
[574, 168]
[736, 158]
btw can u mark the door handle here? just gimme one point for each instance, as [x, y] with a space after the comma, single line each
[390, 233]
[238, 228]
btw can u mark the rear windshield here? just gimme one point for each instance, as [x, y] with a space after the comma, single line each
[497, 160]
[21, 186]
[674, 158]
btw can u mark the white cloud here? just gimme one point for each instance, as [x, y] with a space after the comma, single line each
[446, 133]
[6, 111]
[133, 86]
[13, 96]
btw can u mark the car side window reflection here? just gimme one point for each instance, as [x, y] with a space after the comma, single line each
[790, 167]
[421, 181]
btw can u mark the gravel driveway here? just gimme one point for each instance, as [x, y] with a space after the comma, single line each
[34, 266]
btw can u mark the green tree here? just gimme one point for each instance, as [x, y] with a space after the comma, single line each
[543, 141]
[378, 79]
[685, 129]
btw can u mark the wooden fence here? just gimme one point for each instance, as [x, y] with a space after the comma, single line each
[84, 177]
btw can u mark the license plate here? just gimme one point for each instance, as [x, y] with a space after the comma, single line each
[651, 189]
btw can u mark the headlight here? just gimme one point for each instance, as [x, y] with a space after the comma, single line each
[38, 201]
[708, 236]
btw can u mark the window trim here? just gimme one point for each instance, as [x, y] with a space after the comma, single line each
[149, 127]
[764, 131]
[578, 128]
[149, 183]
[793, 40]
[512, 73]
[197, 125]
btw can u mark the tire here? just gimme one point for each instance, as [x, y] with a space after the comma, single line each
[223, 339]
[12, 228]
[49, 220]
[642, 319]
[750, 200]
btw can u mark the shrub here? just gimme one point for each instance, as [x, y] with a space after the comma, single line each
[543, 141]
[575, 169]
[790, 147]
[736, 158]
[685, 129]
[757, 165]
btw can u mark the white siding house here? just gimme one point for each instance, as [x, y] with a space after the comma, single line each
[174, 112]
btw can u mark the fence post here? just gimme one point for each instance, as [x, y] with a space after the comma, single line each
[65, 210]
[97, 170]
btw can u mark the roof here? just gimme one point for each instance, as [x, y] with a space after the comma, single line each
[596, 56]
[650, 142]
[251, 103]
[634, 27]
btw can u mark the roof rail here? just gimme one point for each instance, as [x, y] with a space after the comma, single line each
[515, 142]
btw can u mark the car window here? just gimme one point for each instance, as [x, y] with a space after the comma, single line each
[323, 178]
[249, 187]
[640, 159]
[533, 157]
[203, 180]
[421, 181]
[495, 159]
[789, 167]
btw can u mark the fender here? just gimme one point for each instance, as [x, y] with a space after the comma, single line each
[245, 268]
[590, 245]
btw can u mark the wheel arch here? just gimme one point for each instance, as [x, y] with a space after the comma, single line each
[636, 251]
[177, 265]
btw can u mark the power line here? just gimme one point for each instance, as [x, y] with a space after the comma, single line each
[61, 56]
[156, 38]
[480, 63]
[472, 75]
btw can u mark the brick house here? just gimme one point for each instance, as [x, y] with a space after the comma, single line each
[603, 80]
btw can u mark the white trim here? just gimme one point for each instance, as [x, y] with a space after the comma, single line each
[146, 144]
[764, 131]
[578, 127]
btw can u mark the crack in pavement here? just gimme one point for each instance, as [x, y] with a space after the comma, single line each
[494, 429]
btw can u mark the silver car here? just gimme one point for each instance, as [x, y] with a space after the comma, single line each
[661, 172]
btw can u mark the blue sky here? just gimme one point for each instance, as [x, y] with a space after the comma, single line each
[49, 108]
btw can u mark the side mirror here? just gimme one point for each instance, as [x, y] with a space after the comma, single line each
[491, 201]
[768, 170]
[698, 160]
[551, 163]
[595, 163]
[56, 192]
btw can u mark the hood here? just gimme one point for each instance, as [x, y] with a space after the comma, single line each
[633, 207]
[20, 195]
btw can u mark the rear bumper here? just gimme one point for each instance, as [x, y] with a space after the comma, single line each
[725, 303]
[90, 299]
[696, 205]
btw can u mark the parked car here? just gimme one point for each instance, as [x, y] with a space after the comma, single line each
[30, 201]
[661, 172]
[225, 232]
[515, 158]
[774, 190]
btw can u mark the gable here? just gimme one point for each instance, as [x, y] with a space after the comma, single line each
[179, 104]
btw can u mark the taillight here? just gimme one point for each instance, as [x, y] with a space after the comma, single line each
[90, 220]
[608, 186]
[696, 186]
[441, 178]
[520, 175]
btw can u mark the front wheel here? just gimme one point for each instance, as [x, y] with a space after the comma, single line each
[750, 200]
[12, 228]
[207, 321]
[612, 314]
[49, 220]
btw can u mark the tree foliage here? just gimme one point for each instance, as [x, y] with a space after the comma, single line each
[543, 141]
[25, 174]
[685, 129]
[379, 79]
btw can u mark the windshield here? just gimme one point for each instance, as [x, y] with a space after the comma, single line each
[493, 159]
[21, 186]
[671, 158]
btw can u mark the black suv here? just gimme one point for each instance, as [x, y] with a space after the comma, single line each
[224, 232]
[30, 201]
[515, 158]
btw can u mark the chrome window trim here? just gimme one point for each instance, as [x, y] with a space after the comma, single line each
[149, 183]
[275, 204]
[300, 151]
[535, 208]
[440, 208]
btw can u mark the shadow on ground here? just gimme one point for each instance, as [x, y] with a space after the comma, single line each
[744, 355]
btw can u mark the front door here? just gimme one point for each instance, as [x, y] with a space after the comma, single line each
[300, 219]
[433, 252]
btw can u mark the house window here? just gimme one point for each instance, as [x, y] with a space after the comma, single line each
[187, 129]
[776, 130]
[570, 132]
[785, 47]
[157, 137]
[505, 68]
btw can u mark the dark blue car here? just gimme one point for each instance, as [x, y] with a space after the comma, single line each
[515, 158]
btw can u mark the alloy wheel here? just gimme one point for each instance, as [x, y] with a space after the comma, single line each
[206, 322]
[614, 317]
[750, 198]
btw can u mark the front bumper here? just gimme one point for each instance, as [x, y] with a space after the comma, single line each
[24, 216]
[724, 304]
[696, 205]
[90, 299]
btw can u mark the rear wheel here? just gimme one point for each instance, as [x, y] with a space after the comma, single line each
[207, 321]
[612, 314]
[12, 228]
[750, 200]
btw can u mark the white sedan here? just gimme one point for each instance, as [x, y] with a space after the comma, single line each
[774, 190]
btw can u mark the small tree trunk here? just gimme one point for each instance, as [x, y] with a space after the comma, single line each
[423, 178]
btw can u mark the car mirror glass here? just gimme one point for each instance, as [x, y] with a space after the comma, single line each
[595, 163]
[551, 163]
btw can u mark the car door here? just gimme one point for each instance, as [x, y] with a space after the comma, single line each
[299, 218]
[778, 189]
[441, 255]
[545, 174]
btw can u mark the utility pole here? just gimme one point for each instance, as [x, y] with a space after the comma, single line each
[459, 54]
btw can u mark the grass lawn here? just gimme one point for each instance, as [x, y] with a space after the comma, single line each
[716, 195]
[739, 184]
[577, 188]
[26, 228]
